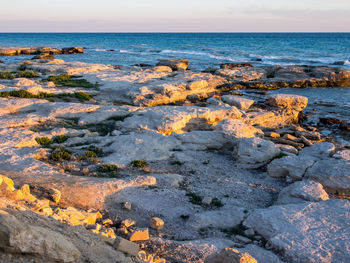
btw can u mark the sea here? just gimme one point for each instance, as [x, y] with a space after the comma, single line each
[205, 50]
[201, 49]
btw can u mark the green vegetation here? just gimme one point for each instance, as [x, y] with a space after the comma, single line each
[7, 75]
[110, 169]
[82, 96]
[70, 81]
[22, 74]
[89, 155]
[139, 163]
[176, 163]
[60, 138]
[194, 198]
[44, 141]
[61, 154]
[118, 117]
[281, 155]
[98, 151]
[217, 202]
[206, 162]
[27, 74]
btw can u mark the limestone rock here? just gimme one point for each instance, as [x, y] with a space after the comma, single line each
[174, 64]
[301, 192]
[48, 244]
[230, 255]
[288, 101]
[260, 254]
[126, 246]
[320, 150]
[235, 129]
[255, 151]
[237, 101]
[157, 223]
[217, 218]
[291, 166]
[333, 174]
[306, 232]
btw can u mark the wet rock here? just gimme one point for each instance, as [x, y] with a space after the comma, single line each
[174, 64]
[316, 233]
[237, 101]
[17, 237]
[255, 151]
[230, 255]
[235, 65]
[288, 101]
[301, 192]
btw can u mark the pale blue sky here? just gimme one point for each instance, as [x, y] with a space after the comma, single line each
[175, 16]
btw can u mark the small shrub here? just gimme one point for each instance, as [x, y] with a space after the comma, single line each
[4, 94]
[206, 162]
[60, 138]
[281, 155]
[110, 169]
[139, 163]
[61, 154]
[82, 96]
[217, 202]
[44, 141]
[176, 163]
[70, 81]
[27, 74]
[7, 75]
[194, 198]
[88, 155]
[96, 150]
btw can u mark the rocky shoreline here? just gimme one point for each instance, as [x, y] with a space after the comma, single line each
[104, 163]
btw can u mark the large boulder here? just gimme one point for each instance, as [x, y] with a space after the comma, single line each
[230, 255]
[16, 237]
[237, 101]
[255, 151]
[333, 174]
[318, 150]
[306, 232]
[288, 101]
[301, 192]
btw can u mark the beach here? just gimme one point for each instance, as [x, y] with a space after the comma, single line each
[166, 161]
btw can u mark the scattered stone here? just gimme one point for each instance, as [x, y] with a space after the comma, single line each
[207, 200]
[230, 255]
[301, 192]
[273, 135]
[174, 64]
[126, 246]
[249, 232]
[128, 223]
[306, 141]
[235, 129]
[288, 101]
[237, 101]
[318, 150]
[255, 150]
[157, 223]
[139, 234]
[127, 206]
[243, 239]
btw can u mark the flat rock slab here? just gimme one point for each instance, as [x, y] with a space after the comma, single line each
[16, 51]
[307, 232]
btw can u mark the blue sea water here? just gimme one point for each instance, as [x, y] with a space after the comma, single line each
[201, 49]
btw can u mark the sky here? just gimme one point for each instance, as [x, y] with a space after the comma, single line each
[175, 16]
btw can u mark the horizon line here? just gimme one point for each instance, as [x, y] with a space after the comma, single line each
[179, 32]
